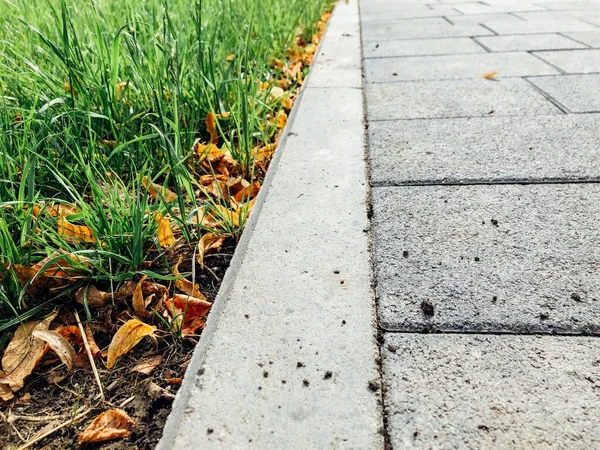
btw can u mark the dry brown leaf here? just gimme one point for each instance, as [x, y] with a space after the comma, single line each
[24, 352]
[139, 305]
[211, 127]
[156, 190]
[147, 365]
[112, 424]
[263, 153]
[176, 381]
[6, 393]
[60, 346]
[248, 192]
[94, 297]
[96, 352]
[186, 286]
[209, 242]
[188, 313]
[208, 152]
[127, 337]
[490, 75]
[75, 233]
[165, 232]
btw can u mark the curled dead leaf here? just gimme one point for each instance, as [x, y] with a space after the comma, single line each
[186, 286]
[24, 352]
[156, 190]
[6, 393]
[188, 313]
[281, 119]
[75, 233]
[209, 242]
[127, 337]
[490, 75]
[112, 424]
[92, 296]
[139, 305]
[211, 127]
[61, 347]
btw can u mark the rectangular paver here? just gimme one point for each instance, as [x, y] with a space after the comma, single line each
[529, 42]
[539, 26]
[482, 8]
[515, 64]
[419, 29]
[591, 38]
[492, 392]
[421, 47]
[486, 150]
[575, 93]
[455, 98]
[488, 258]
[573, 61]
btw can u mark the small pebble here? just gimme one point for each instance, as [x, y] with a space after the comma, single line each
[328, 375]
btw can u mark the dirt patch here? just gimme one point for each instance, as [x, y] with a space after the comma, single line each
[40, 407]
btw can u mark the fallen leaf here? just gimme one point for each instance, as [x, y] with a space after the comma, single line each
[208, 242]
[127, 337]
[184, 285]
[281, 119]
[165, 232]
[112, 424]
[139, 305]
[75, 233]
[247, 193]
[24, 352]
[230, 57]
[176, 381]
[490, 75]
[61, 347]
[156, 190]
[96, 352]
[211, 127]
[263, 153]
[147, 365]
[6, 393]
[92, 296]
[224, 115]
[192, 312]
[222, 213]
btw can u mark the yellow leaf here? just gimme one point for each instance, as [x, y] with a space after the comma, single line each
[230, 57]
[281, 119]
[139, 305]
[75, 233]
[154, 189]
[208, 242]
[263, 153]
[186, 286]
[211, 127]
[165, 232]
[490, 75]
[126, 338]
[224, 115]
[220, 212]
[112, 424]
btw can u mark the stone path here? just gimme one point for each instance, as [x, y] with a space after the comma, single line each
[486, 206]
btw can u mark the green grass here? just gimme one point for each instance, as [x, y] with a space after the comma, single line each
[98, 94]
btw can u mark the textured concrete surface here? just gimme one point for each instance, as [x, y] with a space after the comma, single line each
[529, 42]
[549, 25]
[492, 392]
[591, 38]
[446, 67]
[289, 349]
[490, 150]
[575, 93]
[419, 29]
[573, 61]
[421, 47]
[455, 98]
[489, 258]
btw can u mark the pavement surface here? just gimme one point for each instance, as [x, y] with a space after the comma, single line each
[486, 202]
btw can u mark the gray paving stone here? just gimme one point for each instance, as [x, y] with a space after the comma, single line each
[573, 61]
[418, 47]
[568, 6]
[492, 392]
[446, 67]
[591, 38]
[528, 42]
[419, 29]
[455, 98]
[575, 93]
[475, 19]
[481, 8]
[489, 150]
[557, 25]
[488, 258]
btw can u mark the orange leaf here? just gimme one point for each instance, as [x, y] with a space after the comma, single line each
[195, 310]
[154, 190]
[127, 337]
[281, 119]
[266, 152]
[165, 232]
[186, 286]
[24, 352]
[222, 213]
[147, 365]
[490, 75]
[211, 127]
[112, 424]
[208, 242]
[248, 193]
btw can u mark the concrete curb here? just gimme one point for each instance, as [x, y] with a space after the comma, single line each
[289, 351]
